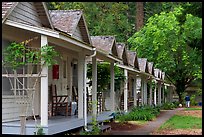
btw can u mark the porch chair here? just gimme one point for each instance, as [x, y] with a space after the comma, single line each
[59, 103]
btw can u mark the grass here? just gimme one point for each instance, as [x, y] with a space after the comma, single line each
[193, 108]
[182, 122]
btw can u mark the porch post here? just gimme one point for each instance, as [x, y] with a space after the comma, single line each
[142, 91]
[159, 93]
[81, 61]
[145, 92]
[85, 93]
[150, 92]
[135, 91]
[125, 90]
[155, 93]
[163, 97]
[44, 89]
[112, 86]
[94, 86]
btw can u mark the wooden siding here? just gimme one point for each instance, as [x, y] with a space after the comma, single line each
[10, 109]
[77, 34]
[25, 12]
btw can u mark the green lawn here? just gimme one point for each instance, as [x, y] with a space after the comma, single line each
[182, 122]
[193, 108]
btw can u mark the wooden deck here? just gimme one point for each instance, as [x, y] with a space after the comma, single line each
[56, 124]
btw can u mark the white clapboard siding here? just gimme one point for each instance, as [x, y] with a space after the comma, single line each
[25, 12]
[77, 34]
[10, 109]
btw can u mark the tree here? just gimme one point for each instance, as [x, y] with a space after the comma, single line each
[166, 39]
[112, 18]
[139, 15]
[19, 60]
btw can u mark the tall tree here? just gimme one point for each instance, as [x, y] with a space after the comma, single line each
[139, 15]
[103, 18]
[165, 40]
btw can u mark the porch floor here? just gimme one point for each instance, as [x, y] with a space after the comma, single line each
[56, 124]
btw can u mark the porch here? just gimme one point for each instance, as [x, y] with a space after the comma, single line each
[56, 124]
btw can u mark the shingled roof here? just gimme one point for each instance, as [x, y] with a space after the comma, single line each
[132, 59]
[105, 44]
[143, 64]
[122, 52]
[67, 21]
[151, 68]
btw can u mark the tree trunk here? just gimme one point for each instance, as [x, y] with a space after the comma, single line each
[180, 89]
[139, 16]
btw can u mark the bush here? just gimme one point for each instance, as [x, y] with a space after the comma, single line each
[145, 113]
[168, 106]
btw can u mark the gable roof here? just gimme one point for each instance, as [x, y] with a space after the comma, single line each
[122, 52]
[143, 64]
[132, 59]
[67, 21]
[150, 68]
[41, 9]
[105, 44]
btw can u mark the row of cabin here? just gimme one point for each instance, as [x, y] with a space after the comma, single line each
[67, 31]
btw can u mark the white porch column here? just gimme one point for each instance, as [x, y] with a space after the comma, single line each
[145, 92]
[142, 91]
[44, 89]
[155, 94]
[85, 93]
[150, 93]
[112, 87]
[94, 85]
[126, 90]
[159, 93]
[163, 97]
[81, 61]
[69, 78]
[135, 91]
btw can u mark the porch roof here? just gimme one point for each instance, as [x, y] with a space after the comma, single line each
[132, 59]
[122, 53]
[68, 20]
[105, 46]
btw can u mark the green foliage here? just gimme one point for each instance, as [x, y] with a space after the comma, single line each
[17, 55]
[182, 122]
[95, 129]
[39, 131]
[145, 113]
[168, 106]
[103, 76]
[165, 40]
[200, 108]
[112, 18]
[193, 100]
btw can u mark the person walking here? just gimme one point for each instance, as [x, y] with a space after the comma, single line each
[187, 99]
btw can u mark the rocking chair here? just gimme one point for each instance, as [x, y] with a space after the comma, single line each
[59, 102]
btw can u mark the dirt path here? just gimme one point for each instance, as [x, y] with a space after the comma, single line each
[148, 128]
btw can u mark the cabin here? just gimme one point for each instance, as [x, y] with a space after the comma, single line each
[67, 32]
[29, 95]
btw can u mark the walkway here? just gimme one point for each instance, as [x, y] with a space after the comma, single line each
[151, 125]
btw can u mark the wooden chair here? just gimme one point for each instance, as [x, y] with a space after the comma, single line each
[59, 102]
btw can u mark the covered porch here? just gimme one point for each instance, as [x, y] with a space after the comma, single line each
[56, 124]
